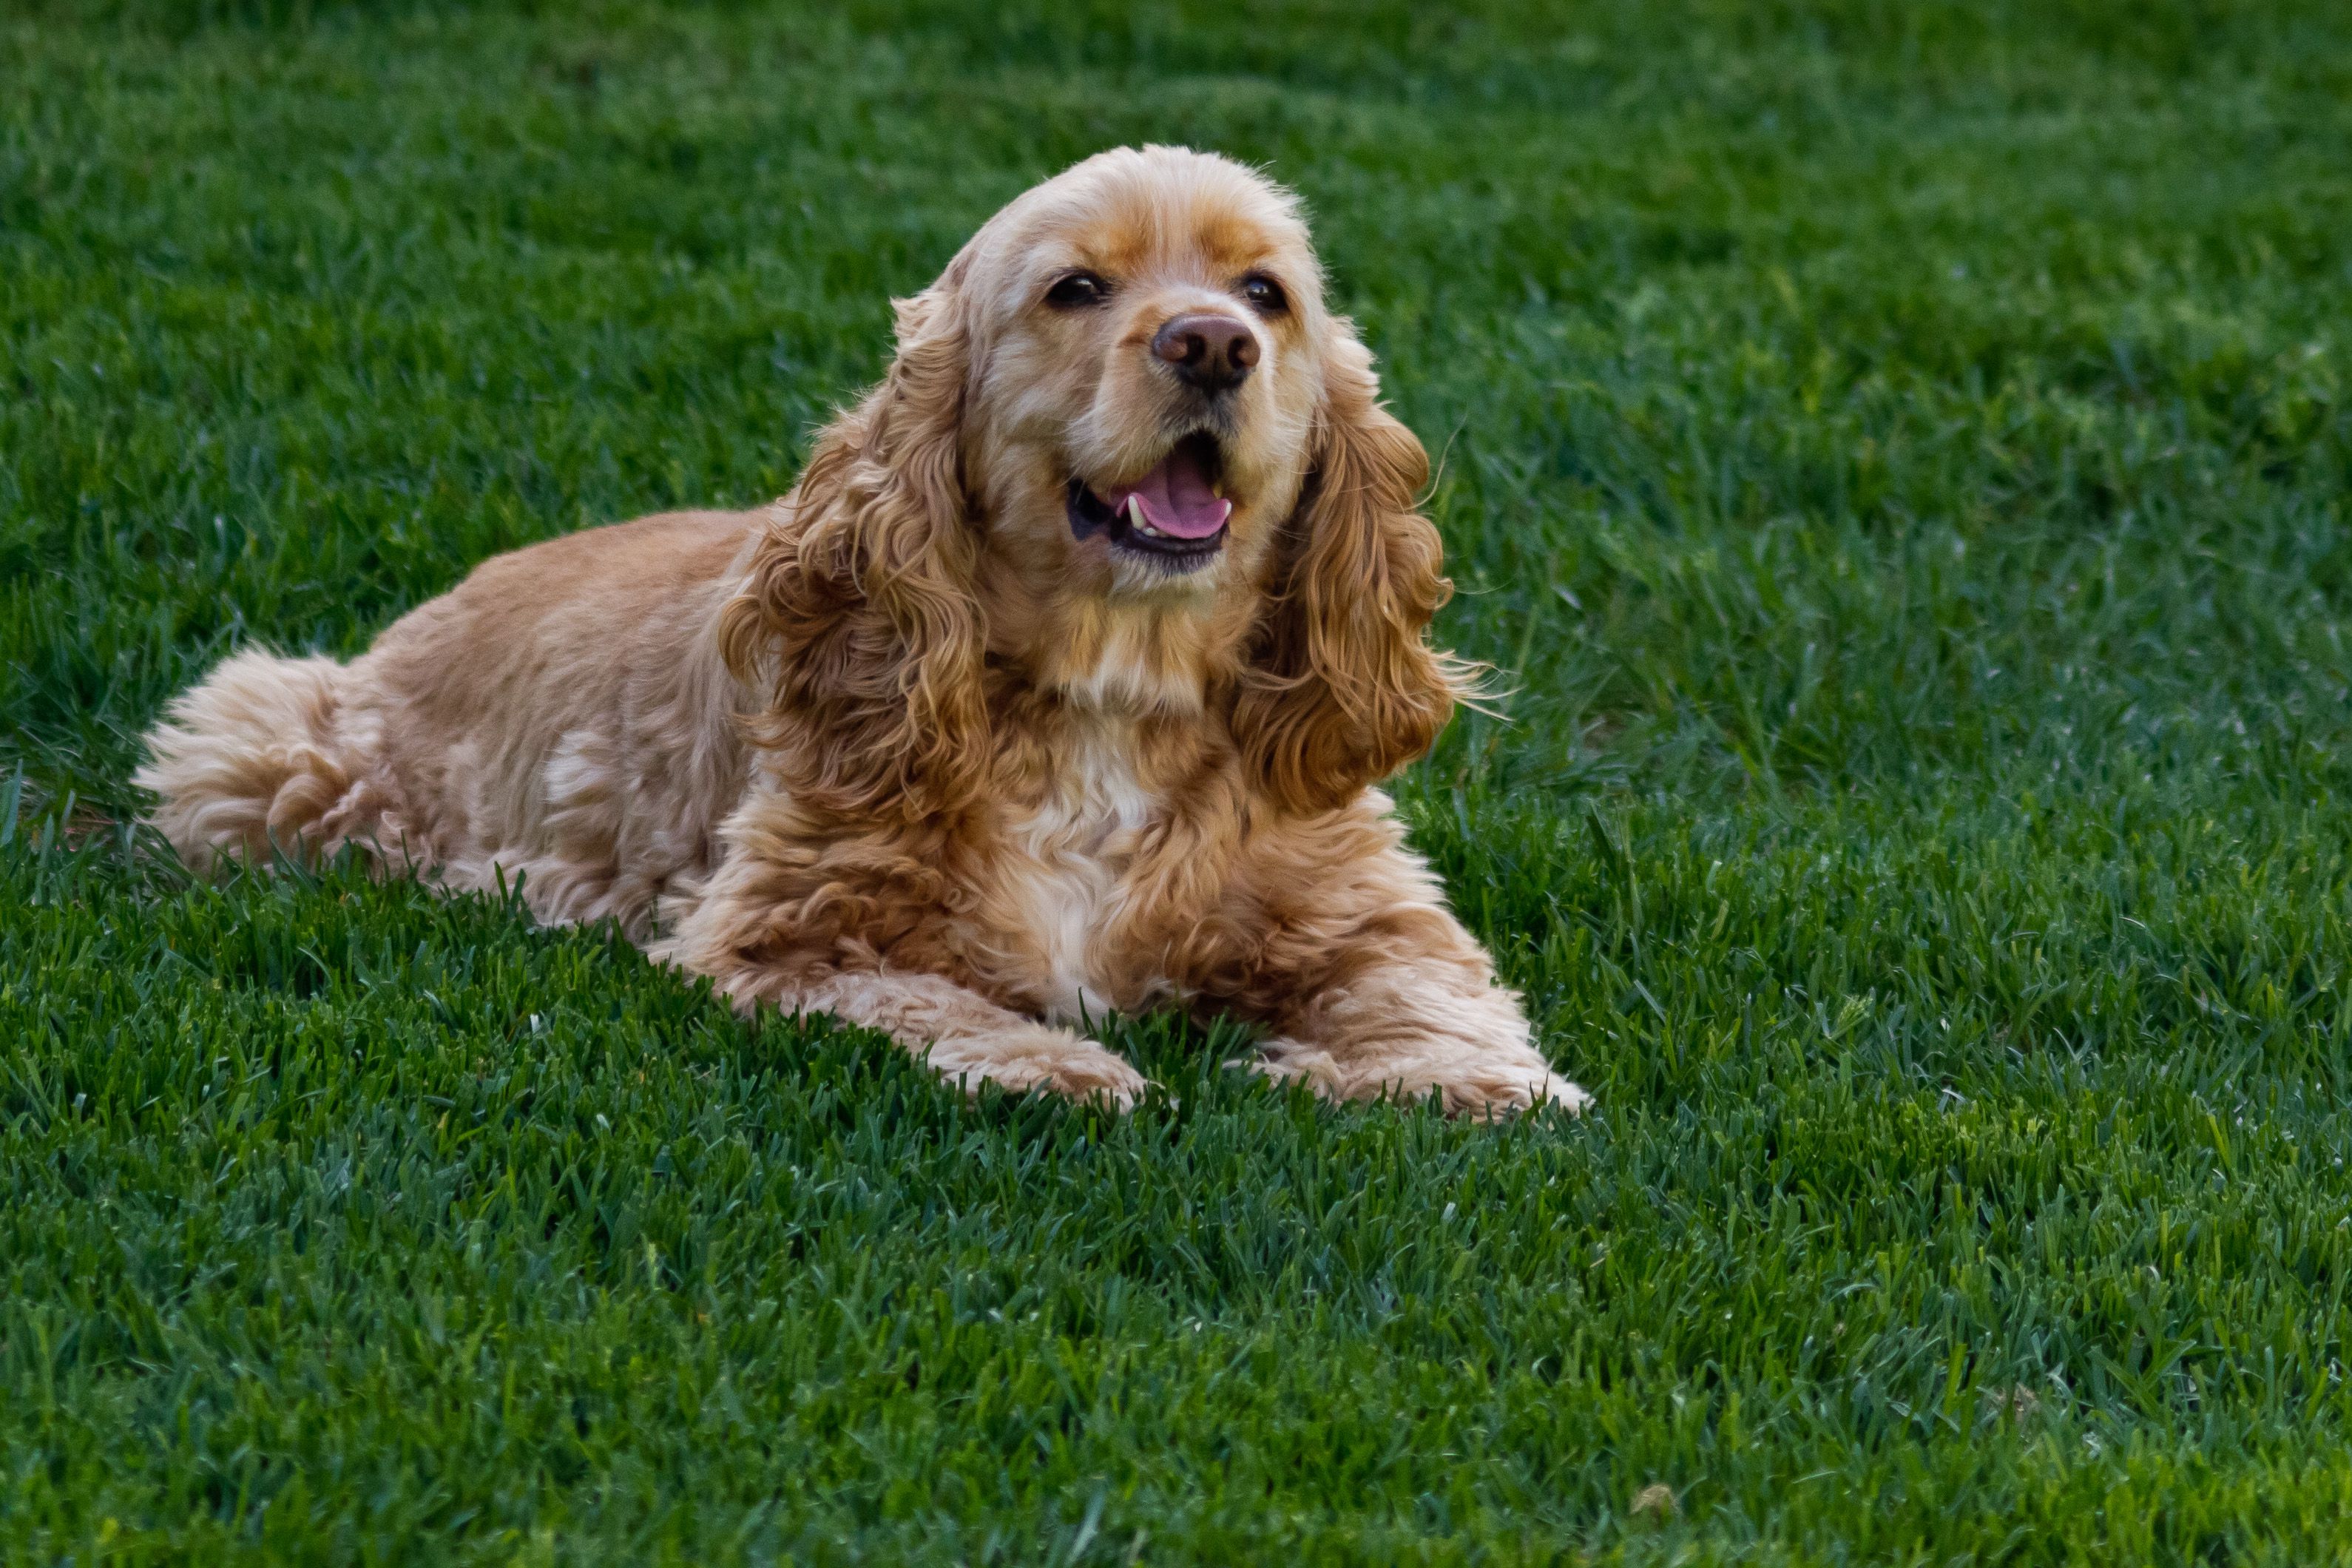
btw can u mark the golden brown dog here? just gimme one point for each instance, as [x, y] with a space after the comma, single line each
[1057, 685]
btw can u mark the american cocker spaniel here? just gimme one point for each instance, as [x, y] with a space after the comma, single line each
[1058, 685]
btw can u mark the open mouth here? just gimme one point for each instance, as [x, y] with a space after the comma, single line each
[1173, 515]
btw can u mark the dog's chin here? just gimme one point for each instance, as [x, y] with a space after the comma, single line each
[1141, 554]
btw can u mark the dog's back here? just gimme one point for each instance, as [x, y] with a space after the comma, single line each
[560, 718]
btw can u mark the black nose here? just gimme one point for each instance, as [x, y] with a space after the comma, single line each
[1209, 351]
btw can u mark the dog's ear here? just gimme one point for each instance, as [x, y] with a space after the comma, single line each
[1341, 689]
[857, 619]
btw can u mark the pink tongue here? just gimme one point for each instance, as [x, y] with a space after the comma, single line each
[1176, 499]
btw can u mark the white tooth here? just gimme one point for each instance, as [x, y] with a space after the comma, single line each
[1135, 513]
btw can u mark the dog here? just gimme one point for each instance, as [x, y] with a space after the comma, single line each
[1057, 686]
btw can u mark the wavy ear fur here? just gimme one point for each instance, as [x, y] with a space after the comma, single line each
[857, 616]
[1341, 689]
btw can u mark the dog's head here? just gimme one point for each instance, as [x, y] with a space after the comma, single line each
[1125, 449]
[1149, 340]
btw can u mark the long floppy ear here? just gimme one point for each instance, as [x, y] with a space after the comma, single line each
[857, 618]
[1341, 689]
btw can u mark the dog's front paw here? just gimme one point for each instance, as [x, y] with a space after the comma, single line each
[1285, 1062]
[1044, 1059]
[1481, 1085]
[1091, 1073]
[1487, 1095]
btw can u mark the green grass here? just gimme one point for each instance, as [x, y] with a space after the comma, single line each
[1900, 454]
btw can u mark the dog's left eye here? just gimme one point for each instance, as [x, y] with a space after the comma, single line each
[1264, 295]
[1077, 288]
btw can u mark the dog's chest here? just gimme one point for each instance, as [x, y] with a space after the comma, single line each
[1068, 858]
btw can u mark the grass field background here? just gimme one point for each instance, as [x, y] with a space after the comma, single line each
[1899, 454]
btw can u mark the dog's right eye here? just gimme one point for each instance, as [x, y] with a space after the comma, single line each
[1076, 289]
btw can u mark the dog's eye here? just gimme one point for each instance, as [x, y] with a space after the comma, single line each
[1264, 295]
[1077, 289]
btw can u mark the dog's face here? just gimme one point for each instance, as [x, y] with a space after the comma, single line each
[1123, 458]
[1147, 348]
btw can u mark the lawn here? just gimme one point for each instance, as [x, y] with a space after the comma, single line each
[1898, 456]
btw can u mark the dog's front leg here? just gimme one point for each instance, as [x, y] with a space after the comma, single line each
[793, 930]
[1391, 996]
[965, 1037]
[968, 1039]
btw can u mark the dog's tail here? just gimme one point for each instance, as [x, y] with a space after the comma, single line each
[248, 761]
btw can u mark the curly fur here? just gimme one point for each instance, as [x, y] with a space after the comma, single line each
[917, 747]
